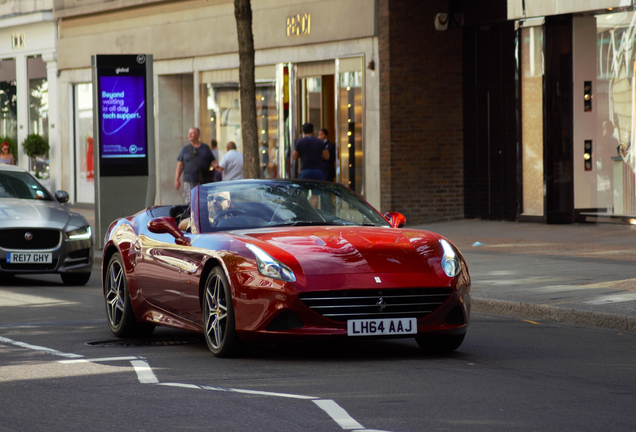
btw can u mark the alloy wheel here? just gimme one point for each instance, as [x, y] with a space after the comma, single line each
[115, 296]
[216, 312]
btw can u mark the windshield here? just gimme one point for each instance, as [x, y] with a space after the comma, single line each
[20, 184]
[249, 204]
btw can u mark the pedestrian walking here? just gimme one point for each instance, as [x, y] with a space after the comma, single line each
[328, 165]
[194, 161]
[232, 163]
[311, 152]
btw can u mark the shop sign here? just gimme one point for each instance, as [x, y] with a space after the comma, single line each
[298, 25]
[17, 41]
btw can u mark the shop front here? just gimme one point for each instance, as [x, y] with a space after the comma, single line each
[327, 94]
[311, 66]
[578, 116]
[28, 91]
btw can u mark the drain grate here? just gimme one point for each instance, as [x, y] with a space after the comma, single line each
[145, 342]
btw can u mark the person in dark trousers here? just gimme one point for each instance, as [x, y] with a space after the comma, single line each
[328, 165]
[193, 156]
[311, 152]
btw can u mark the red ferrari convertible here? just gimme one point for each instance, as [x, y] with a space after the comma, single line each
[258, 259]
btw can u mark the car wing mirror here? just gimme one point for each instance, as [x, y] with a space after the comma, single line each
[61, 196]
[168, 225]
[397, 220]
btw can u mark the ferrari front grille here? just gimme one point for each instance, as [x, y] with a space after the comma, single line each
[372, 303]
[30, 238]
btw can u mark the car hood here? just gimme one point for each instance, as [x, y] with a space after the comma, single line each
[36, 214]
[353, 250]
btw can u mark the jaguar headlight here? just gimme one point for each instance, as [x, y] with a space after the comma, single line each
[450, 263]
[270, 267]
[83, 233]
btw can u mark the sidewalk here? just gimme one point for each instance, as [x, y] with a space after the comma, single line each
[582, 273]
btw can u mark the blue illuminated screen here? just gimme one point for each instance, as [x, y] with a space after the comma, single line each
[123, 117]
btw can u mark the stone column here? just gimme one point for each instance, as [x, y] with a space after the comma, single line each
[55, 152]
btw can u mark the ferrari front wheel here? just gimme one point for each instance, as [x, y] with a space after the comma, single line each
[121, 318]
[439, 343]
[218, 316]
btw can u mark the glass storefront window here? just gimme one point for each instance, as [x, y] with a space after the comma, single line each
[8, 102]
[84, 156]
[312, 101]
[351, 171]
[223, 115]
[38, 110]
[532, 68]
[614, 161]
[267, 117]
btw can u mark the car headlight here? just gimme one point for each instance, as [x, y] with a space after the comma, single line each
[270, 267]
[83, 233]
[450, 263]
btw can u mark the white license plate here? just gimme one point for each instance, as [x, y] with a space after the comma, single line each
[29, 258]
[382, 327]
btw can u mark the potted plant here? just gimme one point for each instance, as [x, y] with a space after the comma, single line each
[35, 146]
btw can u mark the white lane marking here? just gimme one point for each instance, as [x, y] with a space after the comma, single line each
[618, 298]
[145, 375]
[144, 372]
[10, 298]
[96, 360]
[264, 393]
[39, 348]
[188, 386]
[338, 414]
[243, 391]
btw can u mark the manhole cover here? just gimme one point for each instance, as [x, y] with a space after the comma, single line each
[145, 342]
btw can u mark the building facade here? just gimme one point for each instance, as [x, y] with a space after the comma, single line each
[313, 64]
[506, 109]
[28, 83]
[549, 111]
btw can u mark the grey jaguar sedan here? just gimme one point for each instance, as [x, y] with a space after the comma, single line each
[38, 234]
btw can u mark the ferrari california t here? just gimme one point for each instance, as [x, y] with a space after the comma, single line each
[38, 234]
[264, 259]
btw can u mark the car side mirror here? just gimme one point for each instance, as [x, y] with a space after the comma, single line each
[168, 225]
[397, 220]
[61, 196]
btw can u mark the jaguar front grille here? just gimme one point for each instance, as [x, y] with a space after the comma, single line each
[30, 238]
[372, 303]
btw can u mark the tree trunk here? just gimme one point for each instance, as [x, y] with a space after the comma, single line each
[247, 86]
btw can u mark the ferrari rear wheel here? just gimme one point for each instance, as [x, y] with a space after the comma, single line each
[218, 316]
[439, 343]
[121, 318]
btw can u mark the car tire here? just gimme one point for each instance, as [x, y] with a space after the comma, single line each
[432, 343]
[218, 316]
[76, 279]
[119, 312]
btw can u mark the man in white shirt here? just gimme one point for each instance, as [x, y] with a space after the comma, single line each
[232, 163]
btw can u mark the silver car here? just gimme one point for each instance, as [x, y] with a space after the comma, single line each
[38, 234]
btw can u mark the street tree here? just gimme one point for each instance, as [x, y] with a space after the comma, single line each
[247, 87]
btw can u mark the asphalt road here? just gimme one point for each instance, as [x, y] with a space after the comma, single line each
[61, 370]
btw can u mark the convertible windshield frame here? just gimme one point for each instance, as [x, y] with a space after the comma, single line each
[254, 204]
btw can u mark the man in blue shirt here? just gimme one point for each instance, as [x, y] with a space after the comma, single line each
[311, 152]
[193, 157]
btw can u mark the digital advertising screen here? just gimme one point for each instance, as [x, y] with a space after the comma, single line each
[123, 143]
